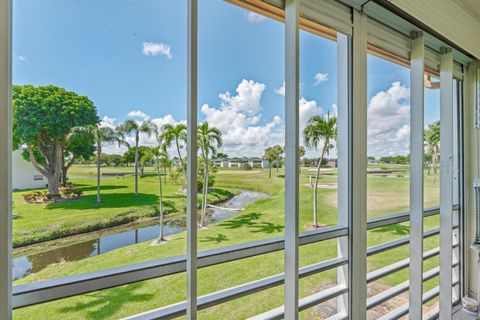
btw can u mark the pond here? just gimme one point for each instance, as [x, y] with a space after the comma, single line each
[27, 264]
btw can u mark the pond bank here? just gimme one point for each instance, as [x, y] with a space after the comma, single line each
[124, 218]
[100, 242]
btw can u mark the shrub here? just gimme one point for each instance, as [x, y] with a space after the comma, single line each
[246, 166]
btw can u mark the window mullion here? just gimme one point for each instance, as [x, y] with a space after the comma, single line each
[292, 159]
[358, 220]
[446, 182]
[192, 224]
[416, 175]
[5, 160]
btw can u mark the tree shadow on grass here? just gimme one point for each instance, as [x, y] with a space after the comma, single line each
[104, 304]
[241, 221]
[220, 194]
[395, 229]
[266, 227]
[115, 200]
[249, 221]
[219, 238]
[86, 187]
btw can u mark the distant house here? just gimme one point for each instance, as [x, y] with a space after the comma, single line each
[24, 175]
[332, 163]
[236, 162]
[258, 163]
[222, 163]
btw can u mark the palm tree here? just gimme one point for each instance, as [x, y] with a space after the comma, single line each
[178, 134]
[209, 139]
[432, 141]
[319, 128]
[101, 135]
[159, 156]
[132, 126]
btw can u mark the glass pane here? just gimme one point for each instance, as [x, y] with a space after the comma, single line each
[388, 124]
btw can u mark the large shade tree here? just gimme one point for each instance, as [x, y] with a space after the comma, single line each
[209, 140]
[319, 130]
[43, 118]
[129, 127]
[432, 141]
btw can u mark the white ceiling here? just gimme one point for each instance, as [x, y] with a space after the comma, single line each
[470, 6]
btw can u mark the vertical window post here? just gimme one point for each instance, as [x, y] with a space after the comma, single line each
[416, 175]
[291, 157]
[192, 223]
[358, 220]
[446, 182]
[5, 160]
[344, 159]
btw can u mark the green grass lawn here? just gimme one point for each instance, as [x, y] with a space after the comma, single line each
[41, 222]
[262, 219]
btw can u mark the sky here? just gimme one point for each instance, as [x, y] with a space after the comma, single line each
[129, 57]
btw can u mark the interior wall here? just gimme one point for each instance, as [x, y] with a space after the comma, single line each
[472, 164]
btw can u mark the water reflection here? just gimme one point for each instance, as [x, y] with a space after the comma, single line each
[25, 265]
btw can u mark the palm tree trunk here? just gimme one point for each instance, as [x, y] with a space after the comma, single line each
[205, 192]
[181, 162]
[160, 204]
[99, 151]
[137, 138]
[315, 222]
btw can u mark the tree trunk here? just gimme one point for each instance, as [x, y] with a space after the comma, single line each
[160, 204]
[137, 138]
[315, 222]
[99, 151]
[181, 162]
[270, 170]
[205, 192]
[277, 164]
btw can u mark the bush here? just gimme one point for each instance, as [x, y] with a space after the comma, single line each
[70, 191]
[246, 166]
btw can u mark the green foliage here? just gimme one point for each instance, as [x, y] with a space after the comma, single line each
[246, 166]
[47, 112]
[395, 159]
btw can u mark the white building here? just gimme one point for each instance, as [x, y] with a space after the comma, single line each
[24, 175]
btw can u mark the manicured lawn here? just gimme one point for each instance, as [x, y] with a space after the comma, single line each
[262, 219]
[41, 222]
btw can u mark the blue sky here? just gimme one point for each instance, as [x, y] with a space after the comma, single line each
[128, 56]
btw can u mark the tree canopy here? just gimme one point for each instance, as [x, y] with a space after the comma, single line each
[43, 118]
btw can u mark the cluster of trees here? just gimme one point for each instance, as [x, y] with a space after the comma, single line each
[395, 159]
[56, 127]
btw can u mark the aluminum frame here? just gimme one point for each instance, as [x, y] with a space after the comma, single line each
[292, 159]
[416, 174]
[192, 222]
[5, 159]
[446, 181]
[358, 219]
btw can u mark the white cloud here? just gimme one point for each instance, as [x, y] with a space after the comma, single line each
[253, 17]
[307, 110]
[157, 48]
[137, 114]
[108, 122]
[247, 100]
[239, 119]
[281, 90]
[388, 122]
[320, 78]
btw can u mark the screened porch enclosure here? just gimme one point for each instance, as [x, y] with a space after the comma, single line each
[405, 259]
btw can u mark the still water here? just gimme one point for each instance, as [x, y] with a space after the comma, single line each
[24, 265]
